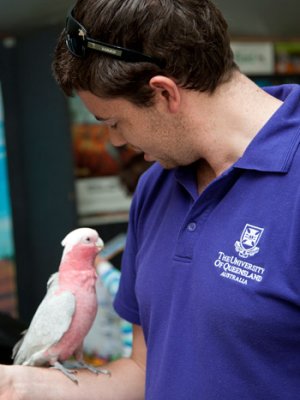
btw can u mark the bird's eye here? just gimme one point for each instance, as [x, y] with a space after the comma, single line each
[87, 240]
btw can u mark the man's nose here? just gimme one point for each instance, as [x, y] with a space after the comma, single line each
[116, 138]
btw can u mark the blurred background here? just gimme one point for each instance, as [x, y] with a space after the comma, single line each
[257, 18]
[57, 168]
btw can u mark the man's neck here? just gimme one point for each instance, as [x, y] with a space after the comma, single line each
[230, 117]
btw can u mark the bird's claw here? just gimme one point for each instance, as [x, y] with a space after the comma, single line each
[70, 373]
[94, 370]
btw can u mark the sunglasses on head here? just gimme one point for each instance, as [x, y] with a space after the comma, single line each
[78, 43]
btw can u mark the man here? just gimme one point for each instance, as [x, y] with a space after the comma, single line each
[210, 275]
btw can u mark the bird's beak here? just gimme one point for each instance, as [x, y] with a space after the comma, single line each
[100, 244]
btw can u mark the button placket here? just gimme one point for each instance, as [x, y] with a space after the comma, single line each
[196, 219]
[189, 234]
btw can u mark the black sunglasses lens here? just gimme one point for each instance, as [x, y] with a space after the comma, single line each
[75, 38]
[76, 46]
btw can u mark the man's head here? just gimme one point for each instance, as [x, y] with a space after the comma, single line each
[189, 36]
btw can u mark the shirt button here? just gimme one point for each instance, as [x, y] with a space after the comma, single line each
[192, 226]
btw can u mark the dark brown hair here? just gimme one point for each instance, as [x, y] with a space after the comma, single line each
[189, 35]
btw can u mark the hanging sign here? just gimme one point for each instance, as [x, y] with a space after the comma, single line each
[254, 58]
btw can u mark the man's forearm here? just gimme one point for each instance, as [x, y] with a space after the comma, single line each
[127, 382]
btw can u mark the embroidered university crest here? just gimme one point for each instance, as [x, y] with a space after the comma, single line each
[247, 246]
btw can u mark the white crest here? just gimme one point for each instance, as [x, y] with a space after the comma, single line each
[247, 246]
[77, 236]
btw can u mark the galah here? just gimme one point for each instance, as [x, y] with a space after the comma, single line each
[68, 310]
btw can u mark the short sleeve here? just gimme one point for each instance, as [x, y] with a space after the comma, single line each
[125, 302]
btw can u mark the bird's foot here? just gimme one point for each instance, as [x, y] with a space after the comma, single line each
[95, 370]
[70, 373]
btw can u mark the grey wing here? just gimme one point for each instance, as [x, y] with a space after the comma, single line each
[52, 285]
[51, 320]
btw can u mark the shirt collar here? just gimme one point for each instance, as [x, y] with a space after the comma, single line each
[274, 146]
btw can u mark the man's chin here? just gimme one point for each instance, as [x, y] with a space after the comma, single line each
[148, 157]
[167, 165]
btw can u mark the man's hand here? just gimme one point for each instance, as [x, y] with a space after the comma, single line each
[7, 391]
[127, 380]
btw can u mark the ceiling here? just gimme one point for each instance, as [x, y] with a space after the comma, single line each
[263, 18]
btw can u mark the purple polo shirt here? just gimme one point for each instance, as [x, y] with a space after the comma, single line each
[214, 279]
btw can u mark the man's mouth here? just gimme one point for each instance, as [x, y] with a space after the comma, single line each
[134, 148]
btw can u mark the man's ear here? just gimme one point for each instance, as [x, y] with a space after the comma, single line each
[167, 90]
